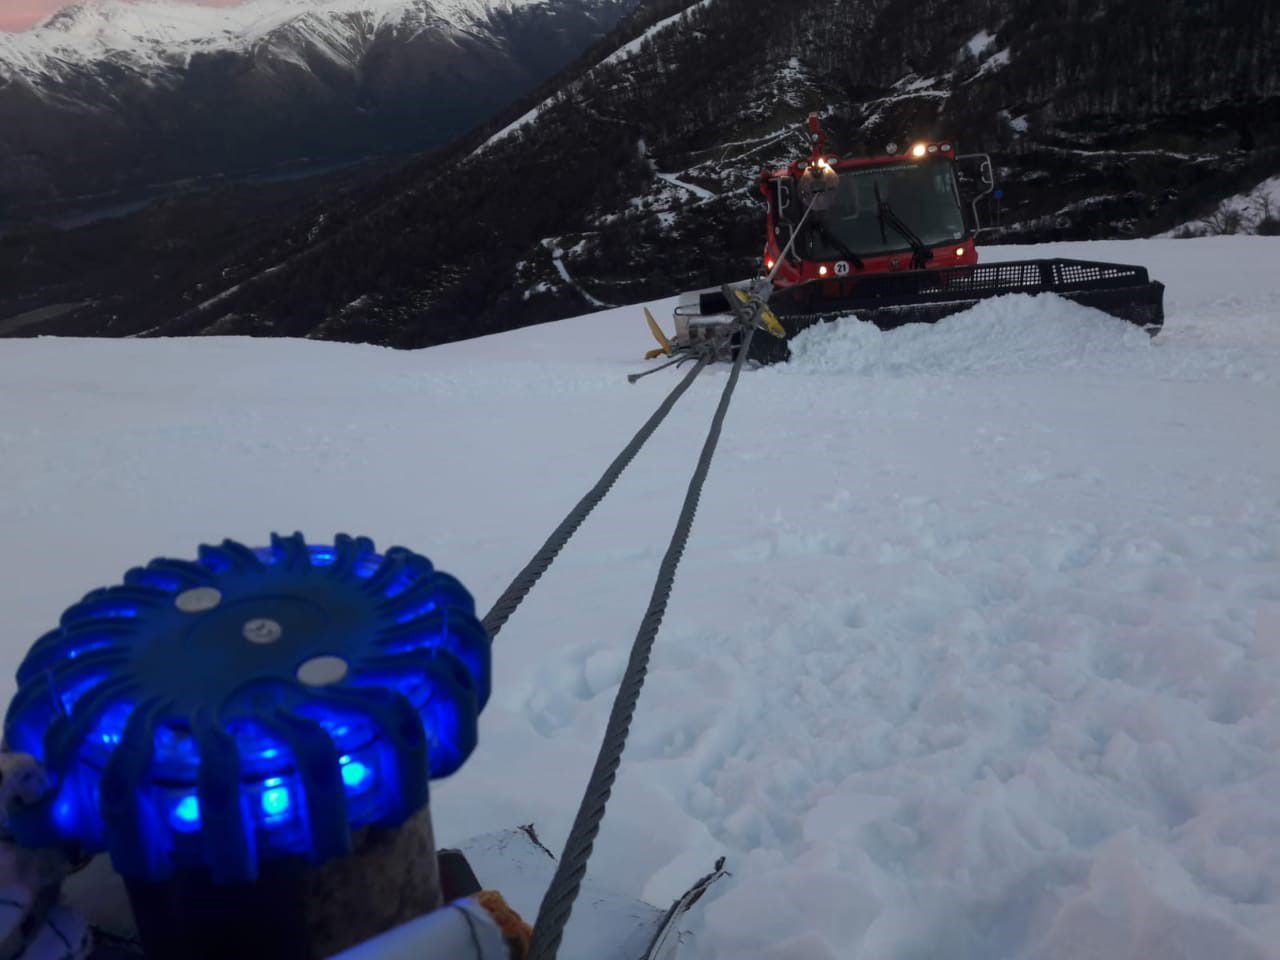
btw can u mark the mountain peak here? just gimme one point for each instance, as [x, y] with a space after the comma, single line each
[94, 30]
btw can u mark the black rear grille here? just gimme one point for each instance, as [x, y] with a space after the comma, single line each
[977, 281]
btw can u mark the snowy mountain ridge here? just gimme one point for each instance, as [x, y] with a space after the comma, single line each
[150, 34]
[158, 91]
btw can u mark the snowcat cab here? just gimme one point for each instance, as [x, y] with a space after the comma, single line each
[878, 214]
[889, 239]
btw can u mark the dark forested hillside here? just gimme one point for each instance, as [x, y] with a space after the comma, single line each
[635, 178]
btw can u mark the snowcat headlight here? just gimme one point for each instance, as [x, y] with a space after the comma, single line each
[822, 270]
[918, 150]
[933, 148]
[945, 148]
[768, 263]
[959, 251]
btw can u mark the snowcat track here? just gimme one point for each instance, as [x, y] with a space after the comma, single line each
[926, 296]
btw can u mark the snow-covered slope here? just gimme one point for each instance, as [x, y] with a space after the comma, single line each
[974, 652]
[1253, 211]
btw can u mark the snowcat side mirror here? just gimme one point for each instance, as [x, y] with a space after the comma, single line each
[782, 195]
[785, 202]
[984, 175]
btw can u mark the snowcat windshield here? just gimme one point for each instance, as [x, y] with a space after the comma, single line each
[923, 194]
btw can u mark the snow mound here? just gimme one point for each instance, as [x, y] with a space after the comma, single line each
[1011, 334]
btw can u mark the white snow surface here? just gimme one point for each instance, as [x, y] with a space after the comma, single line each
[979, 42]
[700, 192]
[994, 62]
[1019, 123]
[974, 652]
[520, 122]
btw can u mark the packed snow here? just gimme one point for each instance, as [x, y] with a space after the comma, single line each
[974, 653]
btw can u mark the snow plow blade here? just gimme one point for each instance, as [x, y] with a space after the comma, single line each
[926, 296]
[664, 345]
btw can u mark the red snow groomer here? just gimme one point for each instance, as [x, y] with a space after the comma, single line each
[889, 240]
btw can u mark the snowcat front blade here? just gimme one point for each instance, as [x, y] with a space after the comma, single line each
[664, 343]
[926, 296]
[765, 317]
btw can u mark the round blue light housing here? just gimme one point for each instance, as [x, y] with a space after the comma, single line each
[251, 704]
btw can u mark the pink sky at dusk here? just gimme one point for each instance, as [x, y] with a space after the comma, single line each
[20, 14]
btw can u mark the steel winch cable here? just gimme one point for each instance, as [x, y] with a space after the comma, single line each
[524, 581]
[557, 903]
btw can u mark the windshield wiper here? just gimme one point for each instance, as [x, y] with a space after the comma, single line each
[920, 254]
[825, 232]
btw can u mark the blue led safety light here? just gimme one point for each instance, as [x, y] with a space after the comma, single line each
[251, 704]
